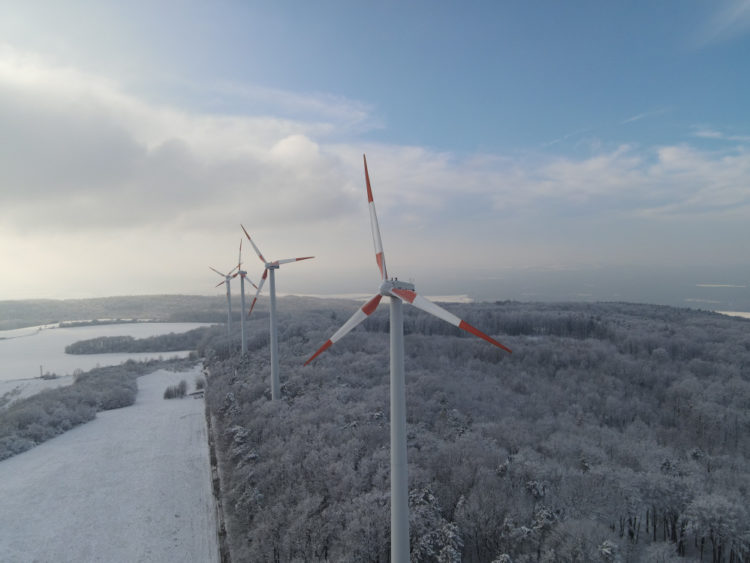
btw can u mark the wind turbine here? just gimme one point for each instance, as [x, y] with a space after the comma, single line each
[227, 278]
[243, 276]
[271, 267]
[398, 292]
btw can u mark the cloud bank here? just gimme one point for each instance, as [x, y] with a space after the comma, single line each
[82, 158]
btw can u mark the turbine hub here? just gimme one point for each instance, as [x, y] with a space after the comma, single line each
[394, 283]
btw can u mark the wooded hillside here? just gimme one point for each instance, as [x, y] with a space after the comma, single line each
[614, 432]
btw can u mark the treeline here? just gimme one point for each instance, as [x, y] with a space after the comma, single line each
[100, 322]
[171, 342]
[33, 420]
[164, 308]
[614, 432]
[157, 308]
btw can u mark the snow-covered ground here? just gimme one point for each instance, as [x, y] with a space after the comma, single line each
[24, 353]
[12, 390]
[743, 314]
[132, 485]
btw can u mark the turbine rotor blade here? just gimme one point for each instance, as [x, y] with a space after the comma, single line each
[287, 260]
[360, 315]
[377, 242]
[428, 306]
[218, 272]
[260, 286]
[255, 247]
[220, 283]
[239, 260]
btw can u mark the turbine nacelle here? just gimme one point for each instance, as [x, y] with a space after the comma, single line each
[387, 287]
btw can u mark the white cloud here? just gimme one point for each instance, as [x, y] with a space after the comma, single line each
[338, 113]
[705, 133]
[732, 18]
[97, 179]
[643, 115]
[79, 154]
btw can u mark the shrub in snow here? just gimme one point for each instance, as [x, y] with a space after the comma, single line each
[33, 420]
[12, 445]
[176, 391]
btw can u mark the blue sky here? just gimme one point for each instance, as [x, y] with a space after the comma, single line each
[502, 138]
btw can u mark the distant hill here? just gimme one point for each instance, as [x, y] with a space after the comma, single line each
[167, 308]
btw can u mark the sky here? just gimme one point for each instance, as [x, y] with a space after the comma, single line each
[517, 149]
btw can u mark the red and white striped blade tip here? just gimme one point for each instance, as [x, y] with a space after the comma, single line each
[288, 260]
[257, 251]
[429, 307]
[376, 238]
[367, 180]
[359, 315]
[252, 305]
[257, 293]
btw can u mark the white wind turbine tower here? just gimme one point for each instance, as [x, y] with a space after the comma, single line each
[227, 278]
[398, 292]
[271, 267]
[243, 276]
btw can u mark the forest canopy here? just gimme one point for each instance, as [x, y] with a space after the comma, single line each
[613, 432]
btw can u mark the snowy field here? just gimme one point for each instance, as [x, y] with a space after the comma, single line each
[24, 351]
[15, 389]
[132, 485]
[742, 314]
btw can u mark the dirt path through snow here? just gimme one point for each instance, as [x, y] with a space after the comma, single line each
[132, 485]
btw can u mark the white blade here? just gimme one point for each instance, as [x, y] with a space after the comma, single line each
[428, 306]
[379, 255]
[218, 272]
[248, 280]
[360, 315]
[287, 260]
[260, 286]
[255, 247]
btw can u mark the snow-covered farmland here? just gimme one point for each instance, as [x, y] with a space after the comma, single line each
[132, 485]
[15, 389]
[24, 351]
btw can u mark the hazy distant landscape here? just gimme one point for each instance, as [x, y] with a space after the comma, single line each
[708, 288]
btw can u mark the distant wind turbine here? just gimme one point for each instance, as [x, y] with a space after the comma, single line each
[271, 267]
[398, 292]
[243, 276]
[227, 278]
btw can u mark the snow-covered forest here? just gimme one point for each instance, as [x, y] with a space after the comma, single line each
[614, 432]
